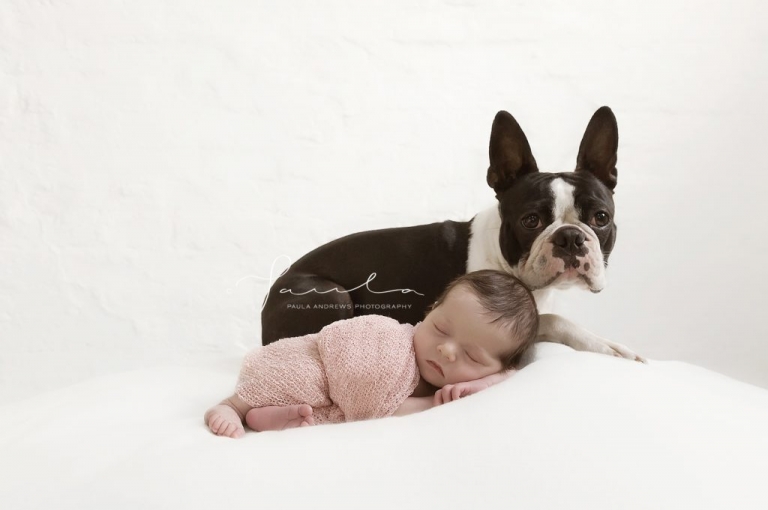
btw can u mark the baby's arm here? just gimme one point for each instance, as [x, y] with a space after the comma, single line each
[451, 392]
[414, 405]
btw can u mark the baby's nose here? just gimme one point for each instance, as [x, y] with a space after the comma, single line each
[447, 351]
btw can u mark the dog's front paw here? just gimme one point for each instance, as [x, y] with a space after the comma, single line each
[622, 351]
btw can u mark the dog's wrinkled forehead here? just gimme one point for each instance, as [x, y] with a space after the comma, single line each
[553, 195]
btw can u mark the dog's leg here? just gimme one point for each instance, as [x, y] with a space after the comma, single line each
[299, 304]
[554, 328]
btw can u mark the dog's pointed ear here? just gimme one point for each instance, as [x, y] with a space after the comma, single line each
[509, 152]
[598, 149]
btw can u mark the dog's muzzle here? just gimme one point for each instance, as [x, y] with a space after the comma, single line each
[568, 256]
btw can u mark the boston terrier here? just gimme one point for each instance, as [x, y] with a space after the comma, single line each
[550, 230]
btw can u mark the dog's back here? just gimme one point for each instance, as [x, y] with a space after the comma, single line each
[397, 272]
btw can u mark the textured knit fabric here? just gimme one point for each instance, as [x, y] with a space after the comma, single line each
[355, 369]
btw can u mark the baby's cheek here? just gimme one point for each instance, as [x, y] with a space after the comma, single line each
[465, 373]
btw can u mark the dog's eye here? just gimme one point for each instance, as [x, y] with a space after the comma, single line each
[531, 221]
[601, 219]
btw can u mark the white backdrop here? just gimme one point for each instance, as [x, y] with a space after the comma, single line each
[158, 157]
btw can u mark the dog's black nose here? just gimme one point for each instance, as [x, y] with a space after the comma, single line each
[570, 239]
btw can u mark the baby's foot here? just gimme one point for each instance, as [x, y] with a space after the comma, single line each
[224, 421]
[279, 417]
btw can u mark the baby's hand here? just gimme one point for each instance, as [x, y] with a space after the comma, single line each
[451, 392]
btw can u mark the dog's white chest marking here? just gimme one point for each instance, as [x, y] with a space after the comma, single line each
[484, 249]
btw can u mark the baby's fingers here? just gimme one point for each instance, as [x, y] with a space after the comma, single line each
[443, 395]
[457, 392]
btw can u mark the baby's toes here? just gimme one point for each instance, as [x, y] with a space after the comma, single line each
[226, 429]
[295, 422]
[231, 430]
[215, 423]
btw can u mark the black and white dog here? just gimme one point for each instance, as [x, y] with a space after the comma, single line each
[551, 230]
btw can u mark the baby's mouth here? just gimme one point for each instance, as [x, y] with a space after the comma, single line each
[437, 367]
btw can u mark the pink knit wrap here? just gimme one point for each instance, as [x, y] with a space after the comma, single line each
[355, 369]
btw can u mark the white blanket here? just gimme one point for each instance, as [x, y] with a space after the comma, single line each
[572, 430]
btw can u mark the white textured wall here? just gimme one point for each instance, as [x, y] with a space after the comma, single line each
[154, 154]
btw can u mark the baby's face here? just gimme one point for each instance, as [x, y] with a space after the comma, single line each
[457, 343]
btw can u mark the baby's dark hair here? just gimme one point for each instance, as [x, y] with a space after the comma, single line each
[509, 300]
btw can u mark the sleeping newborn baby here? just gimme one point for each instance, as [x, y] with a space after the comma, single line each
[372, 366]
